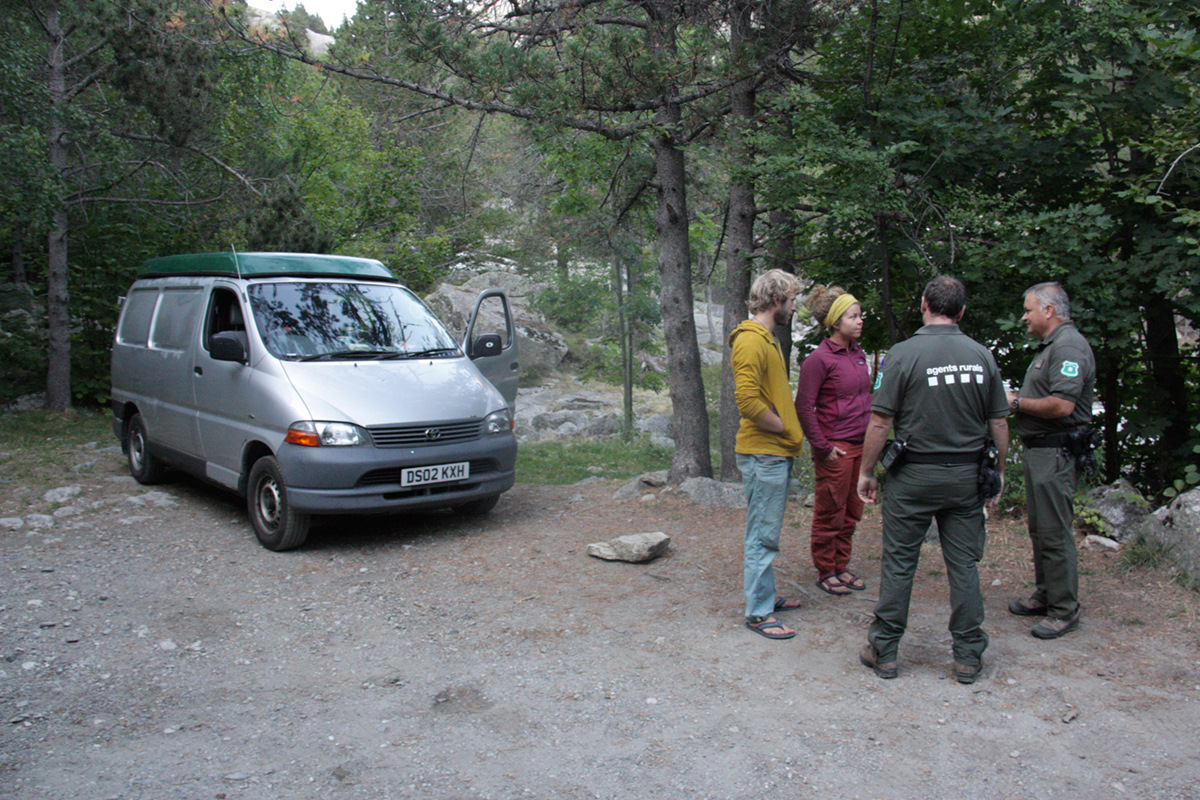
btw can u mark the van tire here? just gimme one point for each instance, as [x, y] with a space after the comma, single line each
[145, 468]
[276, 525]
[477, 508]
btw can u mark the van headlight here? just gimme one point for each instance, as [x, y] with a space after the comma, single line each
[326, 434]
[498, 421]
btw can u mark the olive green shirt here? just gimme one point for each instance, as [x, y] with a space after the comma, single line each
[1063, 366]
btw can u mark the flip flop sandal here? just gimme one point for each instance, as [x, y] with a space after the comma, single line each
[830, 583]
[786, 604]
[765, 628]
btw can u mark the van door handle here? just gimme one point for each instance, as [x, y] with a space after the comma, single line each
[198, 370]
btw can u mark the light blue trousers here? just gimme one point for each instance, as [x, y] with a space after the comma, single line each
[765, 480]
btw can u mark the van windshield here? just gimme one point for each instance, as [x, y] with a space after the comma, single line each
[302, 321]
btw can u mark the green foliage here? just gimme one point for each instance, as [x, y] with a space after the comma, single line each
[575, 302]
[1012, 145]
[299, 18]
[1191, 473]
[22, 349]
[601, 361]
[554, 463]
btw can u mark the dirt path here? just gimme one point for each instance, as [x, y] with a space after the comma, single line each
[151, 649]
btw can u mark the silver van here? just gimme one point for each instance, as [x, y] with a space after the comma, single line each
[311, 384]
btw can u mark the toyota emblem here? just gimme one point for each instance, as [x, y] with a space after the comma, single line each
[433, 434]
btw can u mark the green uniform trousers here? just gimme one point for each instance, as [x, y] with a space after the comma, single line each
[1050, 480]
[912, 496]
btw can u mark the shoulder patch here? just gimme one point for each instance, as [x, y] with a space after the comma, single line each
[1070, 369]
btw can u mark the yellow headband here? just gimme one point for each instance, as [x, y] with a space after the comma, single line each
[839, 307]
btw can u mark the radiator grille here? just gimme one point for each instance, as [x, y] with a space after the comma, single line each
[427, 434]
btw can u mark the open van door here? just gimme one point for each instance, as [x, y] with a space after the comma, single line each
[491, 342]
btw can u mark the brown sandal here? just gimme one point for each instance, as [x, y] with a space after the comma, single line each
[855, 584]
[830, 583]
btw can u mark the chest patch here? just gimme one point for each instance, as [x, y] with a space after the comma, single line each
[1070, 369]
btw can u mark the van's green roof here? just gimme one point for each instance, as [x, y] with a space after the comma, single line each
[259, 265]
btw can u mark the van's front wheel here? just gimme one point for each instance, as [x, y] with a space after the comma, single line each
[276, 525]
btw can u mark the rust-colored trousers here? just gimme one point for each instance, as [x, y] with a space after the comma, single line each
[836, 509]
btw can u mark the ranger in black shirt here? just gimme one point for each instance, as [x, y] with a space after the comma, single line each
[942, 392]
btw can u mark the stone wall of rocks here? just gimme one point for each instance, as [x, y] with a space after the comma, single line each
[1123, 516]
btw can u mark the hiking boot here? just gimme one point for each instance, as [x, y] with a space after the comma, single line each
[1027, 608]
[1052, 628]
[967, 673]
[885, 669]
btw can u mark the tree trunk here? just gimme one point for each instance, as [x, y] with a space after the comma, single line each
[17, 260]
[783, 255]
[1170, 382]
[885, 276]
[58, 319]
[742, 211]
[625, 337]
[1108, 369]
[692, 458]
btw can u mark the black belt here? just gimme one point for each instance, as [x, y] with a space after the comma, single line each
[941, 458]
[1047, 440]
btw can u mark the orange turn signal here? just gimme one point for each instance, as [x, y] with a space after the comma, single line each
[302, 438]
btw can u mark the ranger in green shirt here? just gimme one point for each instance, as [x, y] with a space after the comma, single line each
[1055, 400]
[943, 393]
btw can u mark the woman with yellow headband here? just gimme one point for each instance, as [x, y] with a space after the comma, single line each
[833, 402]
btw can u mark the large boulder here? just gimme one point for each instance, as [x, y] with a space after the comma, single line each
[632, 547]
[541, 349]
[1121, 513]
[639, 486]
[1180, 531]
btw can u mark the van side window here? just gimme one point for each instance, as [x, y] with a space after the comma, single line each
[225, 314]
[176, 318]
[135, 321]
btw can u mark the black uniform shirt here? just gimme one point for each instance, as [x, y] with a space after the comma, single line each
[941, 387]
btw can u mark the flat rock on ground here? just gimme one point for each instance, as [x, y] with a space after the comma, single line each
[155, 650]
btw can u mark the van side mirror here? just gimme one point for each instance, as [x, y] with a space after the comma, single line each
[488, 344]
[227, 346]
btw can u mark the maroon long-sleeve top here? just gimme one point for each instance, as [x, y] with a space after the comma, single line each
[833, 400]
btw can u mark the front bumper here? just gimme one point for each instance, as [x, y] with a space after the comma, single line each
[364, 480]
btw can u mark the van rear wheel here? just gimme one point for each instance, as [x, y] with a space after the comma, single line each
[145, 468]
[276, 525]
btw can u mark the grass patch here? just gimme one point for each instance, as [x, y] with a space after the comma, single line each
[40, 447]
[47, 433]
[1142, 553]
[563, 463]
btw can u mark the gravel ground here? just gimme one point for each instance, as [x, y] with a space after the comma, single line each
[150, 648]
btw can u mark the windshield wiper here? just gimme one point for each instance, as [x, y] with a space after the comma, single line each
[351, 355]
[433, 351]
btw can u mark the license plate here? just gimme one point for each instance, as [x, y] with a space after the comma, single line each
[439, 473]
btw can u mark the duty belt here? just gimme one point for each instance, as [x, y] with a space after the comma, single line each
[941, 458]
[1047, 440]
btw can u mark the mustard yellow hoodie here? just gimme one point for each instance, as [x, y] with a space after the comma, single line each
[761, 384]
